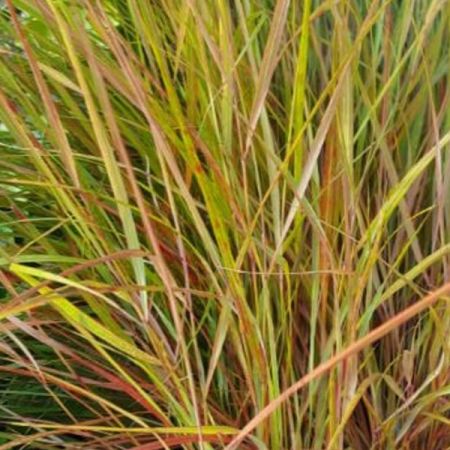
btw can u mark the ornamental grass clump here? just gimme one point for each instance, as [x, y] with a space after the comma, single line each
[224, 224]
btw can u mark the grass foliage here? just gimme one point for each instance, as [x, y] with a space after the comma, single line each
[224, 224]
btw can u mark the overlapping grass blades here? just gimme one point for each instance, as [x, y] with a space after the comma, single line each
[224, 224]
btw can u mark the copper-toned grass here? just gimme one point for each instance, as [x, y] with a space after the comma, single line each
[224, 224]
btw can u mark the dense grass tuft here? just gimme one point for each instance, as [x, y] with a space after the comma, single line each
[224, 224]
